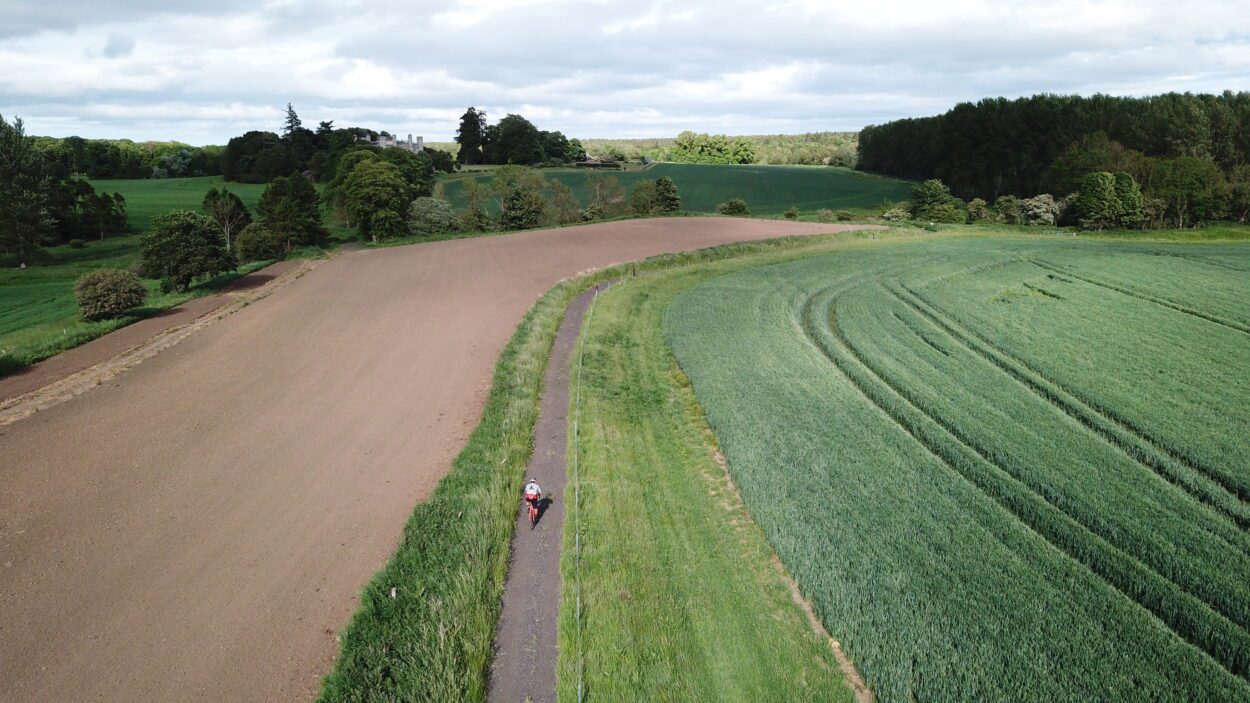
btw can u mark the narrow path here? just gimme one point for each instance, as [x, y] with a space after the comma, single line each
[524, 666]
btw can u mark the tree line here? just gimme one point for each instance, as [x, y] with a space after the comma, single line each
[42, 203]
[810, 149]
[123, 158]
[512, 140]
[1190, 154]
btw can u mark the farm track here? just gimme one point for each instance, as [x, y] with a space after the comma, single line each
[199, 527]
[1205, 485]
[1189, 617]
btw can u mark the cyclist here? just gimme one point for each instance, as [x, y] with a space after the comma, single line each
[533, 494]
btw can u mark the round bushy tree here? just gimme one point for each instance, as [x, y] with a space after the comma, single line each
[428, 216]
[182, 246]
[108, 293]
[733, 206]
[257, 242]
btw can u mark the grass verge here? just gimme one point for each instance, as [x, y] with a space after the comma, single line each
[432, 640]
[679, 598]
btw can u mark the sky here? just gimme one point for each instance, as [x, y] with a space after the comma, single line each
[202, 72]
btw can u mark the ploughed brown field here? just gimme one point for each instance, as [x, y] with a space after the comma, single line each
[199, 527]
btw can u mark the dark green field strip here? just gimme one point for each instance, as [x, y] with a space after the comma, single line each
[1159, 458]
[944, 575]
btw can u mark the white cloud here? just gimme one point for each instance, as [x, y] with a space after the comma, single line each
[204, 72]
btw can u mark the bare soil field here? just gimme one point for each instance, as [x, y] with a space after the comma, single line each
[199, 527]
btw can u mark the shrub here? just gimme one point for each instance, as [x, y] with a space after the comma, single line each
[824, 215]
[257, 242]
[949, 212]
[182, 246]
[733, 206]
[1007, 209]
[845, 216]
[978, 210]
[1039, 210]
[428, 216]
[77, 244]
[792, 213]
[897, 213]
[387, 224]
[108, 293]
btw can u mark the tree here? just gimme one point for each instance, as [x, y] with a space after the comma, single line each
[564, 208]
[516, 141]
[576, 151]
[1239, 193]
[1097, 204]
[932, 201]
[428, 216]
[228, 211]
[642, 198]
[607, 196]
[474, 218]
[108, 293]
[372, 190]
[24, 218]
[181, 246]
[1007, 209]
[519, 191]
[471, 136]
[693, 148]
[1192, 189]
[292, 121]
[667, 199]
[1037, 210]
[256, 157]
[291, 208]
[1131, 200]
[417, 169]
[978, 210]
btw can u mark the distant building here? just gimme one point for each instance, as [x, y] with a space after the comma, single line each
[386, 141]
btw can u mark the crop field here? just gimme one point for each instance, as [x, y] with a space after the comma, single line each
[768, 190]
[1000, 468]
[147, 198]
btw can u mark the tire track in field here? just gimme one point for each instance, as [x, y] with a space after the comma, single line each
[1207, 486]
[1188, 617]
[1164, 302]
[1233, 610]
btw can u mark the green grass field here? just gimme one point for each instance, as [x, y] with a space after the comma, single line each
[1000, 467]
[38, 313]
[768, 190]
[679, 597]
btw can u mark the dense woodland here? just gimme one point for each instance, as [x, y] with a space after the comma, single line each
[1189, 153]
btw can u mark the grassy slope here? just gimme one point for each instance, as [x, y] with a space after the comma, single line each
[768, 190]
[38, 313]
[965, 528]
[432, 642]
[679, 598]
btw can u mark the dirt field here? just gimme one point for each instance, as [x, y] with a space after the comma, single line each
[199, 527]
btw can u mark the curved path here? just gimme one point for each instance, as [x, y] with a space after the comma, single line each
[199, 527]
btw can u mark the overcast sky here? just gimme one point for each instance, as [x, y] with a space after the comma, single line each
[201, 72]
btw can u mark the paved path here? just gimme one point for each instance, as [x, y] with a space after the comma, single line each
[199, 527]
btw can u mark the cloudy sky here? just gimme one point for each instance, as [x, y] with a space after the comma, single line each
[202, 72]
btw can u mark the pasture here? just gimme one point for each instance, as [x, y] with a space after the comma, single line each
[38, 313]
[768, 190]
[999, 467]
